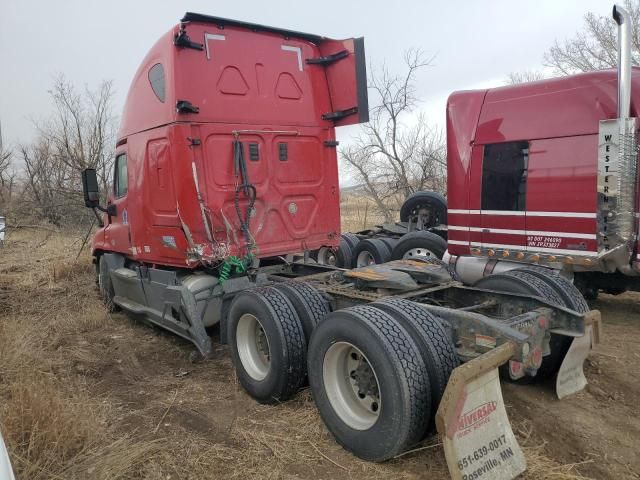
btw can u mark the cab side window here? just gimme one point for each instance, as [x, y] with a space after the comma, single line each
[156, 79]
[504, 176]
[121, 180]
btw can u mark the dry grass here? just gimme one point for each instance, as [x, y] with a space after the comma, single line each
[54, 425]
[87, 395]
[359, 212]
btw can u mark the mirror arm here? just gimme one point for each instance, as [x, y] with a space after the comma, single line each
[98, 217]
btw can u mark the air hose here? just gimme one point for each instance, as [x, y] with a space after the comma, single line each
[246, 187]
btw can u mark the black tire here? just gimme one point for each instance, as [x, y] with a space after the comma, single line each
[433, 201]
[352, 239]
[572, 297]
[526, 283]
[433, 340]
[432, 243]
[374, 248]
[283, 330]
[400, 374]
[344, 255]
[436, 261]
[539, 285]
[310, 305]
[390, 241]
[105, 285]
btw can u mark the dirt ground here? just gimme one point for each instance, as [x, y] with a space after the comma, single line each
[85, 394]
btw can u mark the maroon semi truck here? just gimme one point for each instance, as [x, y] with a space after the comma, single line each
[541, 174]
[545, 173]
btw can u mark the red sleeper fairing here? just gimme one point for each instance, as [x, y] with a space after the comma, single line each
[278, 92]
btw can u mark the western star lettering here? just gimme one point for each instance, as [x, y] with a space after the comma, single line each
[607, 169]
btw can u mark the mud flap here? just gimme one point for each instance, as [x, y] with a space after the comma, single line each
[472, 420]
[571, 377]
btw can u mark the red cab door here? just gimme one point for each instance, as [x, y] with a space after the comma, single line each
[117, 232]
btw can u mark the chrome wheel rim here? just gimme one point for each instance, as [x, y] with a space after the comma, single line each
[365, 259]
[327, 256]
[253, 347]
[418, 253]
[352, 386]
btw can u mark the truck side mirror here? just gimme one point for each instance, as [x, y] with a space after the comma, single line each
[90, 188]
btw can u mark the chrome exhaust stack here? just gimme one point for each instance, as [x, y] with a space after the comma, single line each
[622, 18]
[617, 166]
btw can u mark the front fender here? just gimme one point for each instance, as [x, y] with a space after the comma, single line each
[99, 242]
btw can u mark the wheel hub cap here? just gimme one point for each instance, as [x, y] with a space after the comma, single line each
[326, 256]
[365, 259]
[253, 347]
[352, 386]
[364, 381]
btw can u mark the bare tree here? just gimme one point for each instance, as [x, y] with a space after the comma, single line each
[7, 173]
[397, 152]
[82, 130]
[79, 134]
[526, 76]
[49, 188]
[595, 47]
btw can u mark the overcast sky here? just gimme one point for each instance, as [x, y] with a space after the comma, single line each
[476, 43]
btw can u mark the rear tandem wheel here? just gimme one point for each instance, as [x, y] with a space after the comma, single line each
[371, 251]
[433, 341]
[267, 344]
[369, 382]
[310, 305]
[325, 256]
[553, 289]
[338, 257]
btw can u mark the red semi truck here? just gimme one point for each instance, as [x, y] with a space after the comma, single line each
[211, 127]
[225, 169]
